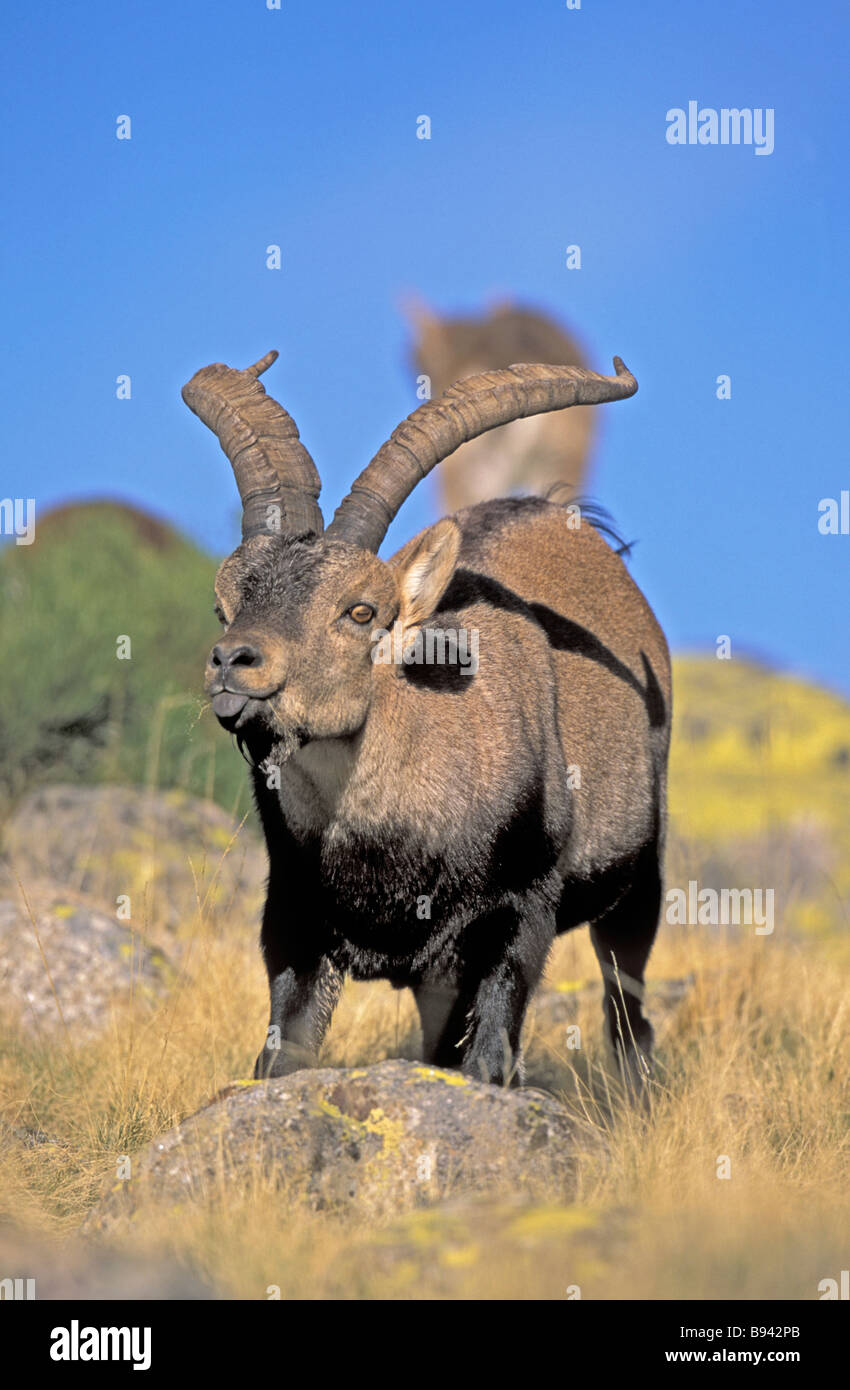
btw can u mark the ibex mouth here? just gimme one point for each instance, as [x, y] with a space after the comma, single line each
[229, 708]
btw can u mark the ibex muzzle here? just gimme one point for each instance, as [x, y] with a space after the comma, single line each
[430, 821]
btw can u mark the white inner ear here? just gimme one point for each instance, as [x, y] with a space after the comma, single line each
[415, 585]
[429, 572]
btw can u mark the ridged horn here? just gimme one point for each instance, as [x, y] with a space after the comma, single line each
[465, 410]
[271, 465]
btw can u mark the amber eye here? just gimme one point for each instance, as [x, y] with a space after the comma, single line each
[362, 612]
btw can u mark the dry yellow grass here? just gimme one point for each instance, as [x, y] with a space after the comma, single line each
[754, 1065]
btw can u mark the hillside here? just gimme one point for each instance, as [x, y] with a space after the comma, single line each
[760, 787]
[99, 572]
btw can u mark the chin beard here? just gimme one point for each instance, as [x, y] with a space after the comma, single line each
[279, 748]
[270, 748]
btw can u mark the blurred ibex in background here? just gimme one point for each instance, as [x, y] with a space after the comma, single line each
[436, 823]
[523, 456]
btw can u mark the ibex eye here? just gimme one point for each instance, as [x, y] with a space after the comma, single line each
[362, 612]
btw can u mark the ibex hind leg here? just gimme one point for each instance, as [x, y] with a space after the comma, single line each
[623, 938]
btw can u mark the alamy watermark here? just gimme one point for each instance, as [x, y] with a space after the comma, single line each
[431, 646]
[712, 907]
[76, 1343]
[17, 1288]
[17, 518]
[730, 125]
[834, 518]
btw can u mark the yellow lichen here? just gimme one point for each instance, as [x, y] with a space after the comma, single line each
[459, 1257]
[451, 1078]
[546, 1222]
[426, 1228]
[391, 1131]
[388, 1130]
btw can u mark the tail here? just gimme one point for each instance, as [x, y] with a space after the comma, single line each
[565, 495]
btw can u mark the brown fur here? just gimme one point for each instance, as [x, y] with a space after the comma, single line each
[386, 771]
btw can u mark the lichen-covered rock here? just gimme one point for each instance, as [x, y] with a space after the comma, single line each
[371, 1140]
[63, 961]
[163, 855]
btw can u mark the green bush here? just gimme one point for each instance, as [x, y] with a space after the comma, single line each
[72, 709]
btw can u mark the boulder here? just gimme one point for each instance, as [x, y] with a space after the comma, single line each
[167, 853]
[63, 960]
[370, 1141]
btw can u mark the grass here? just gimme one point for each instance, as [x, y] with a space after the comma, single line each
[754, 1067]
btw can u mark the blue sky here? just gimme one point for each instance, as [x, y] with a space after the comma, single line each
[298, 127]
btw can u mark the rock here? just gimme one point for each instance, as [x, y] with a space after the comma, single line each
[75, 1269]
[164, 852]
[372, 1140]
[92, 962]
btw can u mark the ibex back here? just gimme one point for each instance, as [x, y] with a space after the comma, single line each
[436, 822]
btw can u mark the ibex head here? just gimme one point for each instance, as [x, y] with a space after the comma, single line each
[301, 607]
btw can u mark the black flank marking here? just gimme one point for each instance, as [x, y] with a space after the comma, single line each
[468, 587]
[523, 851]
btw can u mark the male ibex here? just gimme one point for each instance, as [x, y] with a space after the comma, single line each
[530, 455]
[436, 825]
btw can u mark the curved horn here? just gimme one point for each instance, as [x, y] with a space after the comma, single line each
[272, 467]
[437, 428]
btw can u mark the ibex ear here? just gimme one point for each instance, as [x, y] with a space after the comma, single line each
[426, 572]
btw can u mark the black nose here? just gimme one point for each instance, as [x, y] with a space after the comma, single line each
[227, 654]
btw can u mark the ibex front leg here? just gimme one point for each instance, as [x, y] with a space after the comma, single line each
[303, 995]
[517, 944]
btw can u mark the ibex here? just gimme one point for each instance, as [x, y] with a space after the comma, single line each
[436, 824]
[526, 455]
